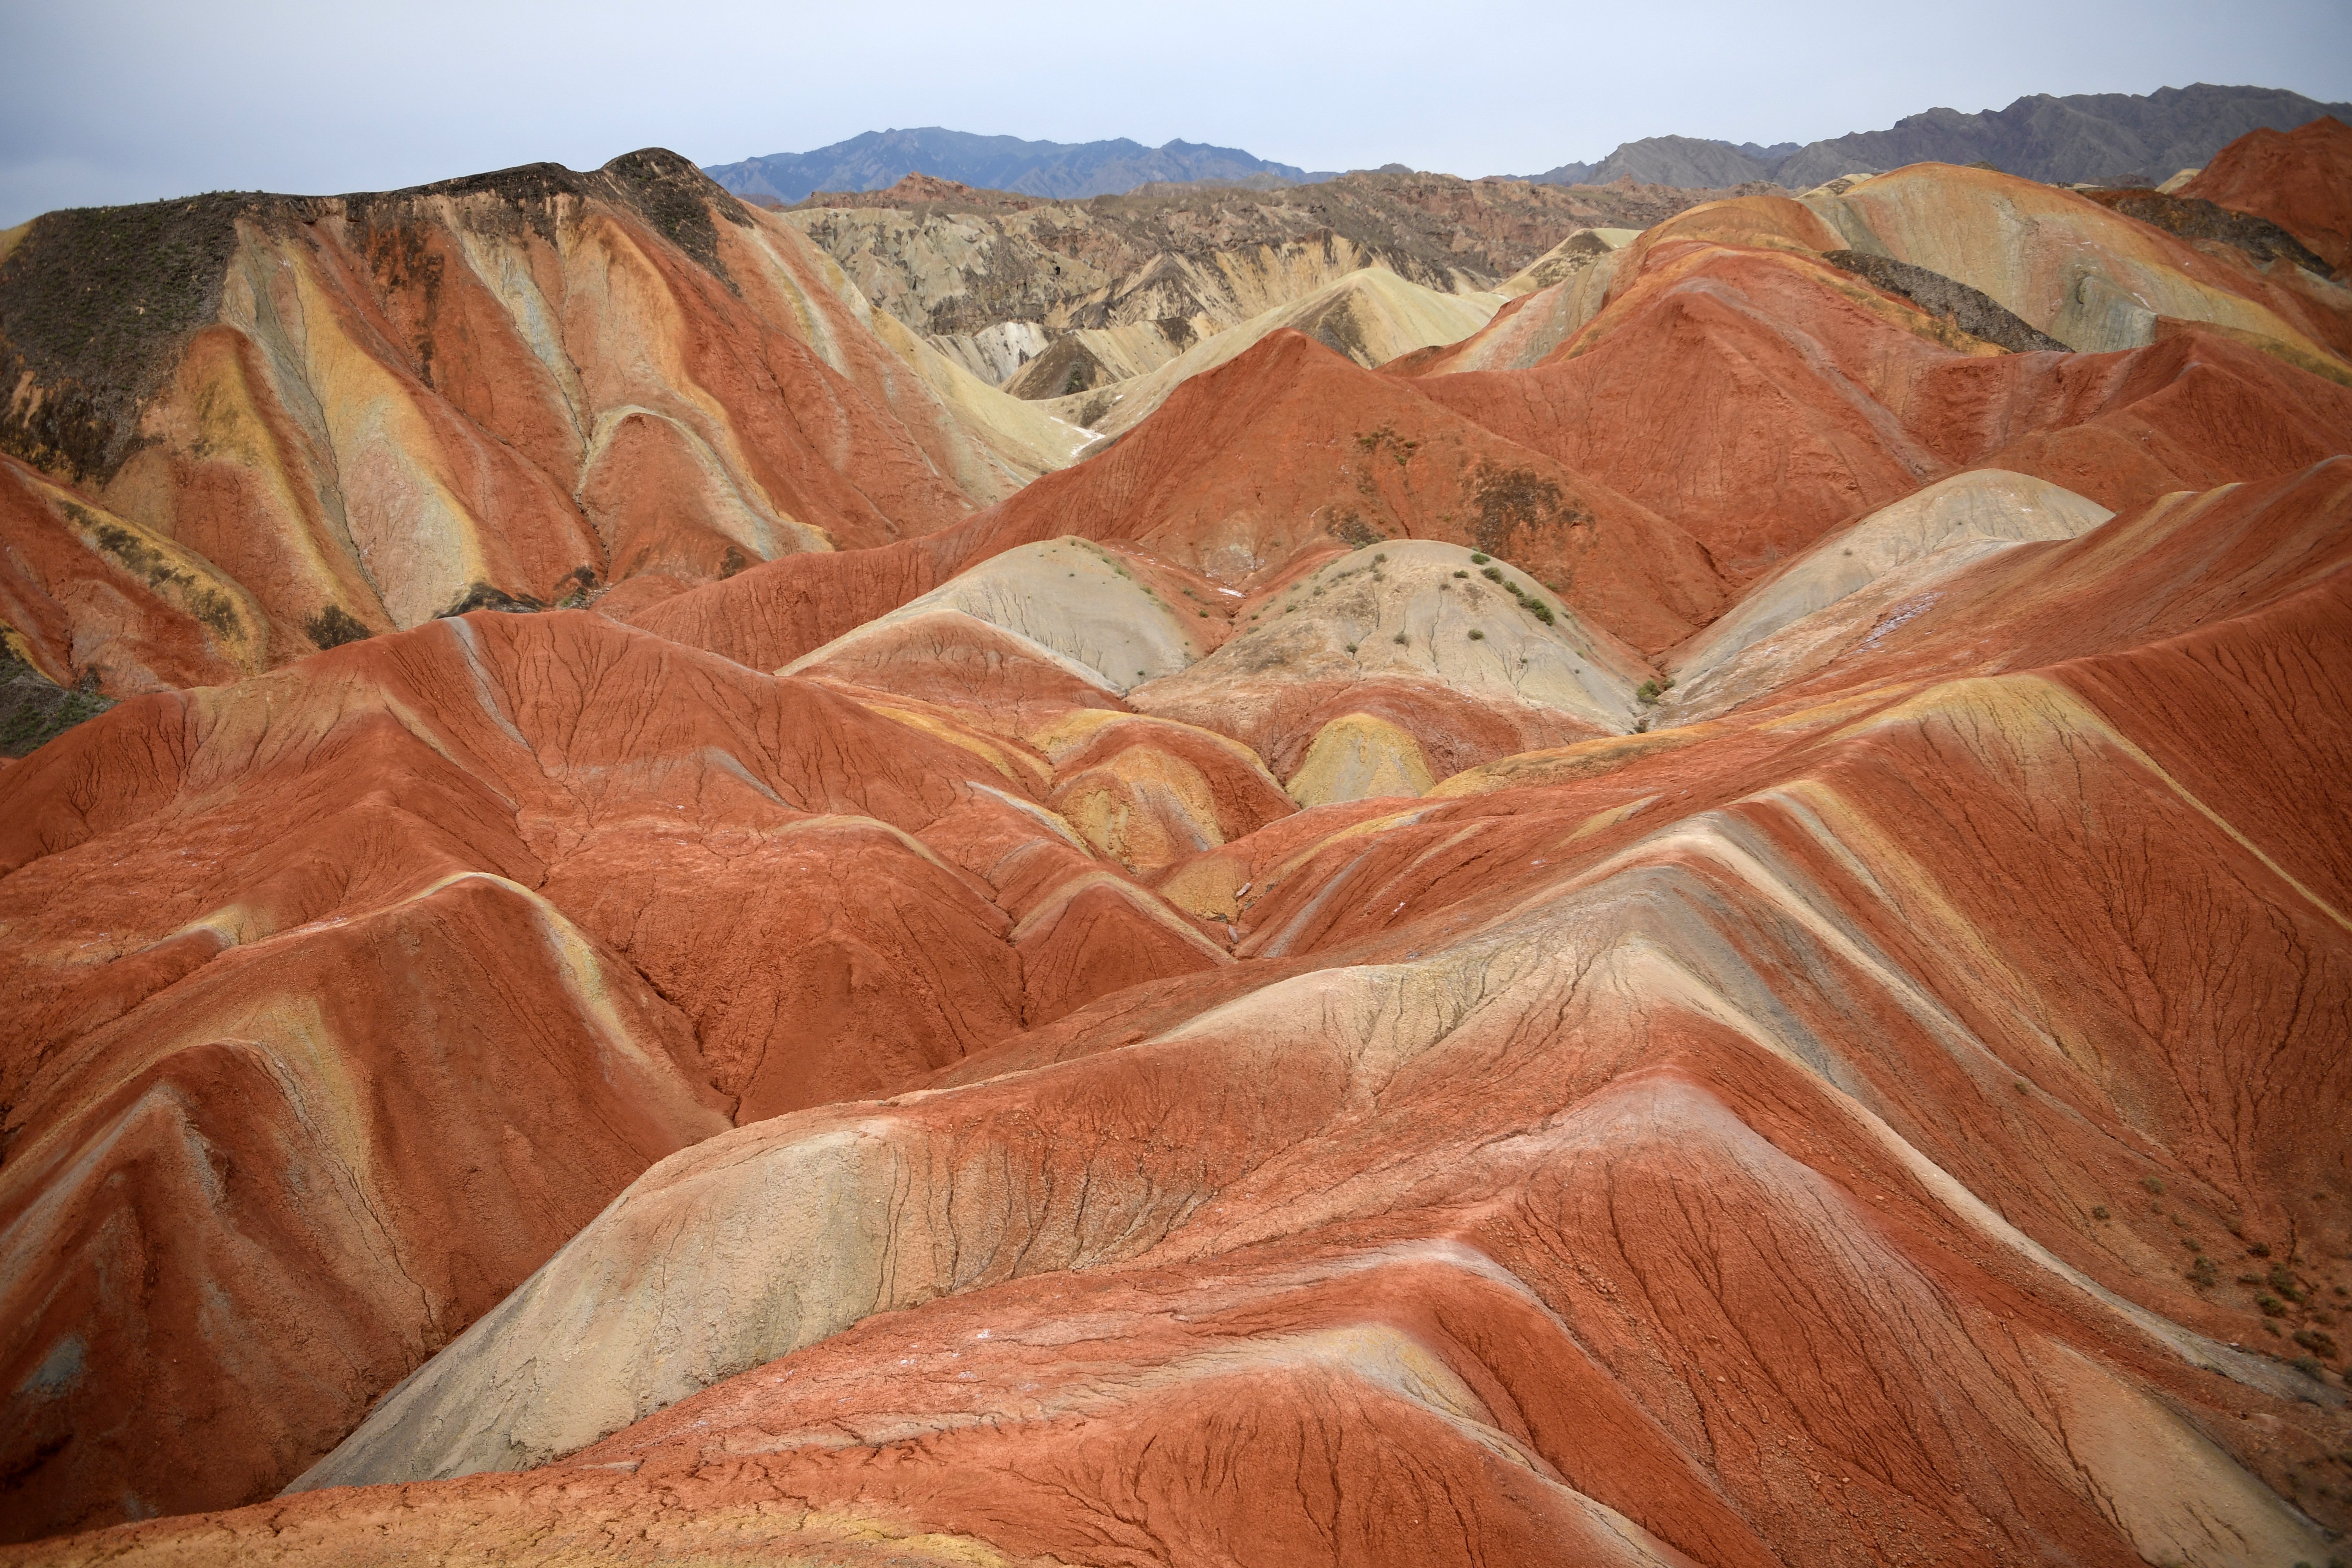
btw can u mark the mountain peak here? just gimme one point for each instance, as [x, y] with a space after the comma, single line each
[875, 161]
[2094, 138]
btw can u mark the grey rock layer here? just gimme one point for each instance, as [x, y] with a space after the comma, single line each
[1972, 310]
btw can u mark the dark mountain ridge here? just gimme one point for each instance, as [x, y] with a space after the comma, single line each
[2109, 139]
[2106, 137]
[1070, 171]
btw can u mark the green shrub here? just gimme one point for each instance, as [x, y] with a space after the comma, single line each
[2203, 1274]
[1402, 639]
[2271, 1306]
[1462, 574]
[1647, 691]
[1479, 558]
[1492, 573]
[2155, 1184]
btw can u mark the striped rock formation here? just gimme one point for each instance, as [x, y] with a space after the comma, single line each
[1708, 927]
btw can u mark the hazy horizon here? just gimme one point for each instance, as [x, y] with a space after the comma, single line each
[133, 100]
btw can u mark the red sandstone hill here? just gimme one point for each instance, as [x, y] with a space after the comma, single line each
[349, 414]
[2294, 178]
[1713, 935]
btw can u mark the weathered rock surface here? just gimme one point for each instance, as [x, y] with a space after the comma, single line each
[2068, 266]
[1710, 927]
[2195, 218]
[1142, 278]
[1381, 643]
[1898, 550]
[1970, 310]
[2294, 179]
[1371, 317]
[1851, 398]
[295, 421]
[292, 1045]
[1652, 1169]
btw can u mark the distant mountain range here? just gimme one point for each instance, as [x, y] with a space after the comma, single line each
[2108, 137]
[880, 159]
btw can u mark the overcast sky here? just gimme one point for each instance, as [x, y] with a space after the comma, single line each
[118, 101]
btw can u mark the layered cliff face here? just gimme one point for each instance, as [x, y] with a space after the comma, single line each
[1718, 940]
[1134, 282]
[247, 428]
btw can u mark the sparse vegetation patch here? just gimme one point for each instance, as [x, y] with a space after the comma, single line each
[95, 304]
[35, 709]
[333, 626]
[482, 597]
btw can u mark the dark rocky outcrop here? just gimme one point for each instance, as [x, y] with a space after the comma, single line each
[1067, 366]
[2193, 217]
[1972, 310]
[94, 305]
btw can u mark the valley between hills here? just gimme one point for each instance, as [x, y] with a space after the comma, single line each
[1390, 871]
